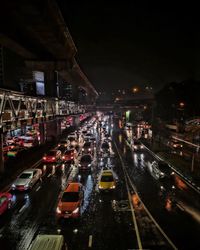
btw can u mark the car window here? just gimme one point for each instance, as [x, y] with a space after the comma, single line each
[86, 158]
[70, 197]
[107, 178]
[52, 153]
[25, 176]
[105, 145]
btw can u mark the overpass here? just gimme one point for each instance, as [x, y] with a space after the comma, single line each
[36, 31]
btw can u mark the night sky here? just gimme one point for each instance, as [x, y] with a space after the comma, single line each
[126, 43]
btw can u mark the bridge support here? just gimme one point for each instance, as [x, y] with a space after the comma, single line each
[1, 151]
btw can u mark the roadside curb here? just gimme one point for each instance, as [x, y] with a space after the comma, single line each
[189, 182]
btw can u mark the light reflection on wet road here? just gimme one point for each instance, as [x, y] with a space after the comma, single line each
[34, 212]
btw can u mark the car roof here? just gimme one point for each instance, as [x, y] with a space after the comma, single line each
[86, 156]
[107, 172]
[73, 187]
[48, 242]
[29, 171]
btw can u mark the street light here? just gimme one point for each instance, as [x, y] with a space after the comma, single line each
[181, 104]
[135, 90]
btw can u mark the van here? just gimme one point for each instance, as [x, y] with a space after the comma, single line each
[49, 242]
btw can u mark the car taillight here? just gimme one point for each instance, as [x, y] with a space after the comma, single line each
[44, 158]
[53, 158]
[63, 157]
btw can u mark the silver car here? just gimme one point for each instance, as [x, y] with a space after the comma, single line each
[27, 179]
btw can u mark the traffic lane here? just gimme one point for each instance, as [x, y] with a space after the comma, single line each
[24, 223]
[184, 193]
[161, 207]
[99, 222]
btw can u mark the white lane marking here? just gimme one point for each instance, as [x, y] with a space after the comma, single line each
[147, 211]
[22, 208]
[38, 188]
[139, 242]
[90, 241]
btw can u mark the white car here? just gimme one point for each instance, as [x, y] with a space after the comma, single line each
[27, 179]
[159, 169]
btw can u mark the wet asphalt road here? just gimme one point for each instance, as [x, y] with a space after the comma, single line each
[100, 226]
[180, 221]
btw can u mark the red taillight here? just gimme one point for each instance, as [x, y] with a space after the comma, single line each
[53, 158]
[44, 158]
[63, 157]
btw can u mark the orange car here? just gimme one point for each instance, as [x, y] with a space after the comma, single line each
[70, 202]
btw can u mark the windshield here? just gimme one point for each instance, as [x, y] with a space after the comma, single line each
[86, 158]
[70, 197]
[107, 178]
[25, 176]
[52, 153]
[105, 145]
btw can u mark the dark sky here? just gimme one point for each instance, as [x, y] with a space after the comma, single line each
[126, 43]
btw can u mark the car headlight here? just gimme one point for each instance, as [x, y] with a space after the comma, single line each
[113, 187]
[76, 210]
[79, 165]
[58, 211]
[173, 187]
[26, 185]
[89, 165]
[13, 186]
[100, 187]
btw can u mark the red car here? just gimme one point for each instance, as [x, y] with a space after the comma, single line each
[70, 202]
[68, 155]
[5, 202]
[52, 157]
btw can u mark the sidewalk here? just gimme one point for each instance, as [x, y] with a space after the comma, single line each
[183, 166]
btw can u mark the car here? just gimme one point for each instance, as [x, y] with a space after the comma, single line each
[27, 179]
[106, 181]
[160, 169]
[88, 136]
[87, 148]
[14, 152]
[7, 147]
[137, 145]
[71, 136]
[63, 143]
[70, 202]
[85, 163]
[68, 155]
[105, 148]
[52, 156]
[5, 202]
[175, 145]
[47, 242]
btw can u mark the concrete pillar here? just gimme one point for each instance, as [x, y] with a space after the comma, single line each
[1, 151]
[50, 84]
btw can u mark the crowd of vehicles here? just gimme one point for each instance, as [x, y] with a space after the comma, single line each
[80, 150]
